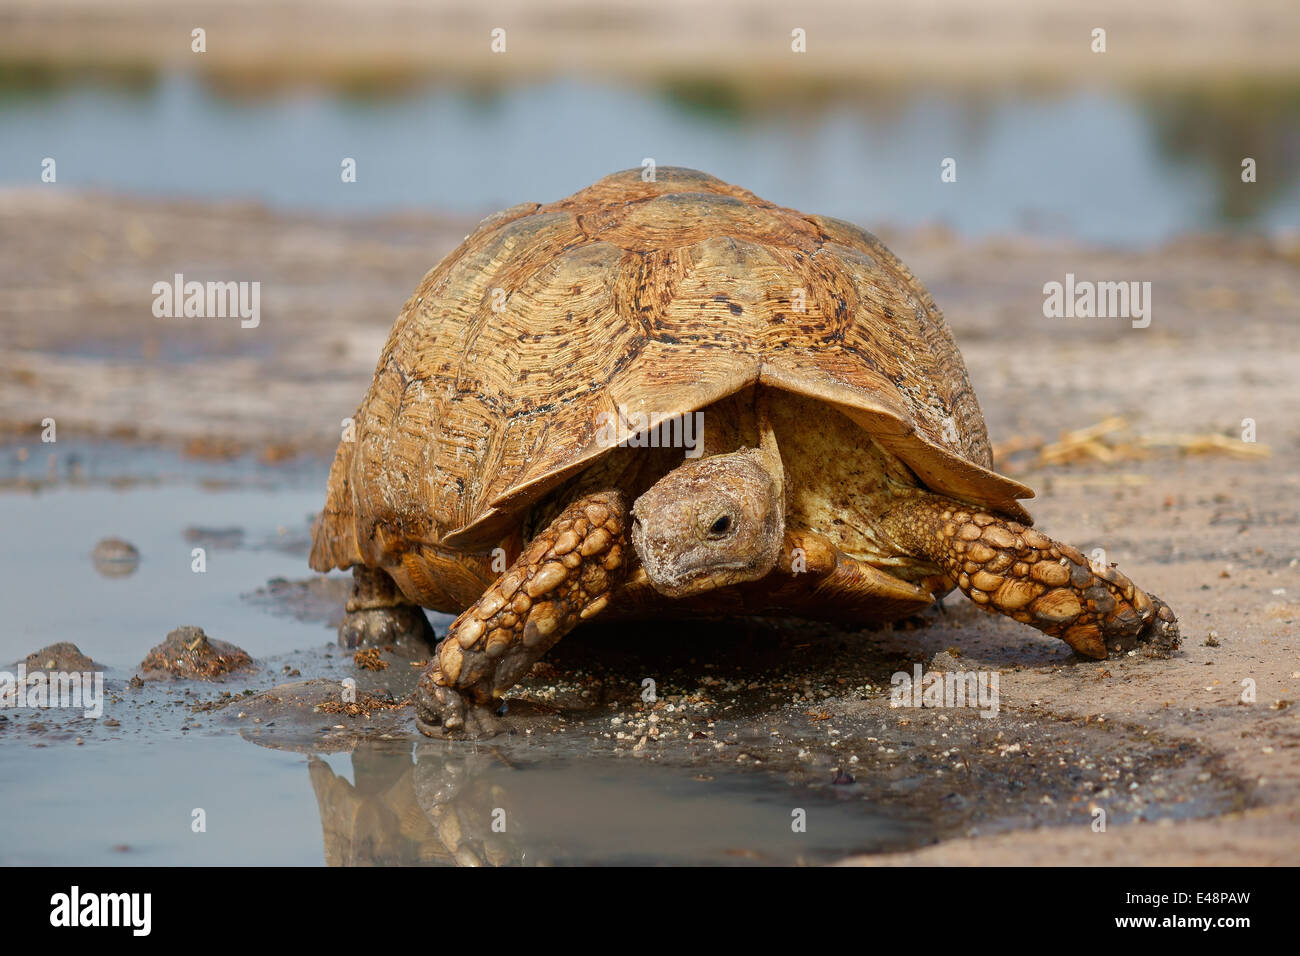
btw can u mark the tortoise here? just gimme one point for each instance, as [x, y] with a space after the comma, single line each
[671, 397]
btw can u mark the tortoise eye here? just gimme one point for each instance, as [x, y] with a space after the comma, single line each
[721, 525]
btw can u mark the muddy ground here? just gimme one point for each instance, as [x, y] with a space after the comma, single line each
[1214, 534]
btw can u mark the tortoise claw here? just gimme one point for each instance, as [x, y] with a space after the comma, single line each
[446, 713]
[1158, 636]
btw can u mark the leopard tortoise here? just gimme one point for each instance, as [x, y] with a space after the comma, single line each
[671, 397]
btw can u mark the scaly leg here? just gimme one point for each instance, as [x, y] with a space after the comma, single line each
[1007, 568]
[564, 576]
[378, 613]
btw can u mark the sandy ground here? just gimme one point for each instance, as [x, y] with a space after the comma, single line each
[1215, 535]
[745, 43]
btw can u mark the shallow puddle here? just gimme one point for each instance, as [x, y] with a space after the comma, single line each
[764, 744]
[115, 804]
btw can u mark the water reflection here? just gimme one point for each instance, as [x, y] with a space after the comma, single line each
[446, 804]
[1218, 131]
[380, 820]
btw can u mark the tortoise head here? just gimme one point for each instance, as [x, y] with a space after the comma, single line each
[711, 522]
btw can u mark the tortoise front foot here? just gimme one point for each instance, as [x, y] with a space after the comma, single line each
[442, 711]
[1158, 635]
[564, 576]
[403, 625]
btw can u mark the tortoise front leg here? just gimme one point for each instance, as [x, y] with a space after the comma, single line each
[1007, 568]
[564, 576]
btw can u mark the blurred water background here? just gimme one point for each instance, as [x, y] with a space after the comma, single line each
[1131, 146]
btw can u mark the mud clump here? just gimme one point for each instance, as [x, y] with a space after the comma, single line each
[115, 558]
[308, 716]
[187, 653]
[63, 656]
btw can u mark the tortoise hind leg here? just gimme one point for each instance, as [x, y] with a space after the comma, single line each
[1007, 568]
[564, 576]
[378, 613]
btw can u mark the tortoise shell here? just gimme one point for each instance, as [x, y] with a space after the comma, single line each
[630, 296]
